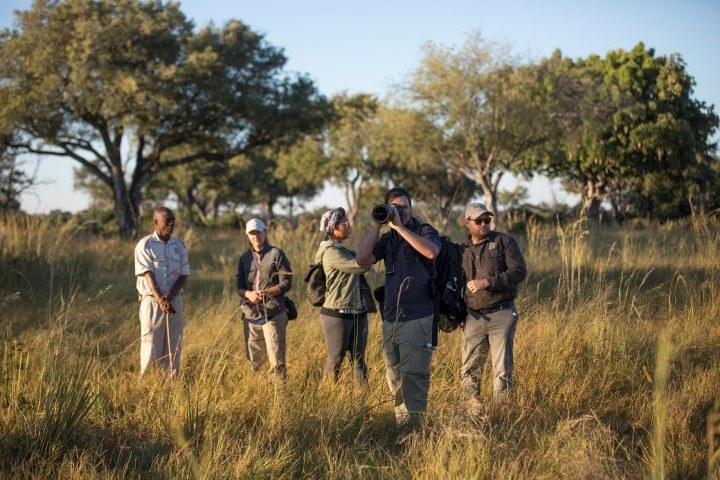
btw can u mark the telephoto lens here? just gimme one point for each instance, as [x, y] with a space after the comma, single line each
[381, 213]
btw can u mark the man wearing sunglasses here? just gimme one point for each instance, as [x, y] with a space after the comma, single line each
[493, 266]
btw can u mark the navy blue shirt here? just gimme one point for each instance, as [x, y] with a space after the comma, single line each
[408, 274]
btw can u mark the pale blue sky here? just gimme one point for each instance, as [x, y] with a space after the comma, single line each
[371, 45]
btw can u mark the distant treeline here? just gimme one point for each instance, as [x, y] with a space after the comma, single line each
[153, 109]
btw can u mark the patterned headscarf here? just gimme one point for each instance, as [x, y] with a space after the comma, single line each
[330, 220]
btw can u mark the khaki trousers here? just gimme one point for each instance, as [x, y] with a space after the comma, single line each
[492, 333]
[267, 342]
[160, 335]
[407, 348]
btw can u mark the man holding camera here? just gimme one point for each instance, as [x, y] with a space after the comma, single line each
[493, 266]
[408, 250]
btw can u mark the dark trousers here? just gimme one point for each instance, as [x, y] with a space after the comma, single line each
[345, 335]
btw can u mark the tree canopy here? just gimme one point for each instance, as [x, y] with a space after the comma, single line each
[148, 106]
[635, 132]
[491, 110]
[129, 88]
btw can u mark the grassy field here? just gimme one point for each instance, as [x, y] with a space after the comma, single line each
[617, 368]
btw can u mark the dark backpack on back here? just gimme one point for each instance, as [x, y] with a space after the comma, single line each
[449, 305]
[450, 308]
[315, 279]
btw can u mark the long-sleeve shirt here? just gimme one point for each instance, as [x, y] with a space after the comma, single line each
[497, 258]
[261, 270]
[346, 288]
[408, 274]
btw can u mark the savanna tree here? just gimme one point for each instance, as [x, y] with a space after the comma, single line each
[128, 89]
[491, 110]
[636, 132]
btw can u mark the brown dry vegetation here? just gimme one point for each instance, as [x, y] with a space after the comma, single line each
[617, 368]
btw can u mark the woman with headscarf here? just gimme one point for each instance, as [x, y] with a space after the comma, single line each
[348, 299]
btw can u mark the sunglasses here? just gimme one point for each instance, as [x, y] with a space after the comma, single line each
[480, 221]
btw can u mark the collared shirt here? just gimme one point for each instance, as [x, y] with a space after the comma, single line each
[167, 261]
[408, 274]
[497, 258]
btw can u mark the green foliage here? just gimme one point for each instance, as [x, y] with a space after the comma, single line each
[66, 405]
[344, 154]
[634, 135]
[491, 110]
[416, 159]
[85, 79]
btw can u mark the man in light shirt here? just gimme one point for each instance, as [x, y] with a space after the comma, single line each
[161, 271]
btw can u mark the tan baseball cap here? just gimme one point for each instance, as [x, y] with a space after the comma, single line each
[477, 210]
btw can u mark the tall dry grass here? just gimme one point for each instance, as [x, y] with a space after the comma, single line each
[617, 368]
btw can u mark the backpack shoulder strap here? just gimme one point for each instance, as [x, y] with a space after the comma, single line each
[322, 254]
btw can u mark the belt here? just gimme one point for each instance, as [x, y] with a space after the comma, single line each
[350, 311]
[488, 311]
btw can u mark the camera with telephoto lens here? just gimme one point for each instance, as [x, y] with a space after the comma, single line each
[383, 213]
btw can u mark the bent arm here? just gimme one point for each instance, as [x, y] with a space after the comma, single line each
[177, 286]
[343, 261]
[424, 246]
[516, 268]
[365, 250]
[284, 276]
[152, 284]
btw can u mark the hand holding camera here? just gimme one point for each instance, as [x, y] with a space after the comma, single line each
[384, 213]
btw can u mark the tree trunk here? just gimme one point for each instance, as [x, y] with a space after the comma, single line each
[619, 209]
[132, 194]
[267, 210]
[491, 203]
[591, 202]
[444, 214]
[189, 201]
[591, 208]
[490, 194]
[291, 212]
[352, 197]
[125, 210]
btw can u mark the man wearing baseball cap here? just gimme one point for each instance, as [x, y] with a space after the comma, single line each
[493, 266]
[264, 277]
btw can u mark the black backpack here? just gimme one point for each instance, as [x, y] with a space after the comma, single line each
[449, 305]
[450, 308]
[315, 279]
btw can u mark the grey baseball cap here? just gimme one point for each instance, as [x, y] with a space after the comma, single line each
[476, 210]
[255, 225]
